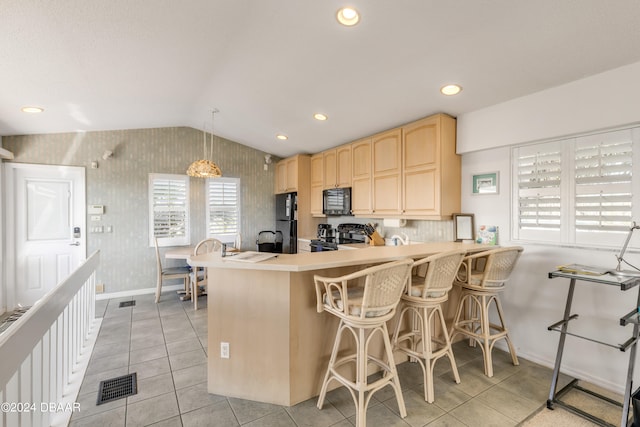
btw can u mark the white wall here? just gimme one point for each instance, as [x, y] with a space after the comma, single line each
[598, 102]
[532, 301]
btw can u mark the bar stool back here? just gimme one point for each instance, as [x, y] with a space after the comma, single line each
[363, 301]
[198, 276]
[482, 277]
[431, 280]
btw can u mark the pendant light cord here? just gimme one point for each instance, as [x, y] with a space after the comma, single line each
[213, 127]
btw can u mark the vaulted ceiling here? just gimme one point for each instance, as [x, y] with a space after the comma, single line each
[269, 65]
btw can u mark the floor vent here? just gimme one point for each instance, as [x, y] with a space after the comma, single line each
[127, 303]
[117, 388]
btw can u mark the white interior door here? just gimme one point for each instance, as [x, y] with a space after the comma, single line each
[45, 228]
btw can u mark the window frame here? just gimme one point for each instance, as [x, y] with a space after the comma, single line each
[178, 240]
[229, 238]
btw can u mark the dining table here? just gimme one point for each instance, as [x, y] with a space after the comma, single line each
[184, 252]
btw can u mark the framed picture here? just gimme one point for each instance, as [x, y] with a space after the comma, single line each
[463, 227]
[486, 183]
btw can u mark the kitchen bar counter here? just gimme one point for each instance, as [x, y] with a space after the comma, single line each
[278, 344]
[367, 254]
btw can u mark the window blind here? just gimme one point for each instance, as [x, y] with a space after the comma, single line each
[169, 211]
[538, 179]
[223, 203]
[603, 173]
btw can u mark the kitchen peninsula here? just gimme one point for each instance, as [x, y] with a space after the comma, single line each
[278, 345]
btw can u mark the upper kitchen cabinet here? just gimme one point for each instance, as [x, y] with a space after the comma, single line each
[386, 185]
[408, 172]
[317, 183]
[431, 168]
[337, 167]
[288, 173]
[361, 177]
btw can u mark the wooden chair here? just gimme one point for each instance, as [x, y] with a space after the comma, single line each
[427, 339]
[169, 273]
[363, 301]
[482, 277]
[198, 276]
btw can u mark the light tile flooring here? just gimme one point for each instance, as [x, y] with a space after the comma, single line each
[166, 344]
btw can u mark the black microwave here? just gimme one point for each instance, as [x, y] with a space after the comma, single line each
[336, 201]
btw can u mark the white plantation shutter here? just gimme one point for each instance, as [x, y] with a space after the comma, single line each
[223, 208]
[169, 209]
[538, 171]
[577, 191]
[603, 185]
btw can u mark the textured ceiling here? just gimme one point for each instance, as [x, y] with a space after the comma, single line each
[269, 65]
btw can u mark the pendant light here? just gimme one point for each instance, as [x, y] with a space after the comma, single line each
[206, 168]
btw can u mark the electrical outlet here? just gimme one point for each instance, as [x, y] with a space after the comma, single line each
[224, 350]
[99, 288]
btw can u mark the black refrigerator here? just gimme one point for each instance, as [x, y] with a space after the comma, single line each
[287, 221]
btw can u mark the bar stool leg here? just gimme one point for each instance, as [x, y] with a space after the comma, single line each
[447, 342]
[512, 350]
[394, 372]
[332, 359]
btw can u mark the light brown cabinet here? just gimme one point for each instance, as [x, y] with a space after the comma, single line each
[287, 175]
[361, 177]
[412, 172]
[431, 168]
[337, 167]
[386, 183]
[317, 183]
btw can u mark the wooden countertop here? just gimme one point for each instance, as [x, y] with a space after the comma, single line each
[310, 261]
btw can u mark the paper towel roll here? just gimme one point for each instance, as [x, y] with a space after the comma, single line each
[394, 222]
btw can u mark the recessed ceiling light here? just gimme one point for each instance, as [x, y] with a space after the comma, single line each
[348, 16]
[451, 90]
[320, 116]
[282, 137]
[32, 109]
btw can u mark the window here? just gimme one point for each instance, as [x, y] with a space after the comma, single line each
[169, 209]
[223, 209]
[578, 190]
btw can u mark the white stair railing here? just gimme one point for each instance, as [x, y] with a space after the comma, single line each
[45, 353]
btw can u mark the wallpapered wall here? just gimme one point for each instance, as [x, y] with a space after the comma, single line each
[121, 185]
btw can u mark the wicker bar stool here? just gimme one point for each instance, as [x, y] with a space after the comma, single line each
[427, 339]
[482, 277]
[363, 301]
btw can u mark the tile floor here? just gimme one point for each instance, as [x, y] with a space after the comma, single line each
[166, 344]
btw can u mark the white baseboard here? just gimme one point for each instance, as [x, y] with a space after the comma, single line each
[134, 292]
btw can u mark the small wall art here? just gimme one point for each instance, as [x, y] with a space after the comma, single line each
[486, 183]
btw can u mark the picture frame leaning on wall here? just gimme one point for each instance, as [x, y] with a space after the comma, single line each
[463, 227]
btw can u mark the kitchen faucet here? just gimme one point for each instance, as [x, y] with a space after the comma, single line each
[404, 239]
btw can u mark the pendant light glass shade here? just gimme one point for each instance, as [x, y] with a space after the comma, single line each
[206, 168]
